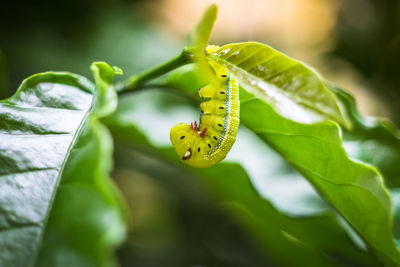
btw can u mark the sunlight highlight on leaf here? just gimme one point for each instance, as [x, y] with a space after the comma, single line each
[289, 86]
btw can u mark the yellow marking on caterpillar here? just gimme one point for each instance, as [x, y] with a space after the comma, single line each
[207, 144]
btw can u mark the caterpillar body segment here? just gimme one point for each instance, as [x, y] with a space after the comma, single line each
[209, 142]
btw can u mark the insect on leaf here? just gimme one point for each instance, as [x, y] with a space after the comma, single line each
[292, 88]
[209, 142]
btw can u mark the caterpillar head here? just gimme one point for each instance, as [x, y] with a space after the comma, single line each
[186, 140]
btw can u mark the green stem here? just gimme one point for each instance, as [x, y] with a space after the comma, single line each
[137, 81]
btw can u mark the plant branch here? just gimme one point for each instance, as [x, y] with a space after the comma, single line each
[137, 81]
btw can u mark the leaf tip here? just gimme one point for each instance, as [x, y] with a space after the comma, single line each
[117, 71]
[213, 9]
[200, 36]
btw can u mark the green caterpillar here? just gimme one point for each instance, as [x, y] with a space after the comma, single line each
[209, 142]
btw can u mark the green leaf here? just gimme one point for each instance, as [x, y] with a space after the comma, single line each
[396, 214]
[200, 36]
[316, 151]
[375, 141]
[372, 140]
[106, 96]
[38, 127]
[293, 89]
[87, 203]
[58, 206]
[86, 223]
[354, 189]
[306, 239]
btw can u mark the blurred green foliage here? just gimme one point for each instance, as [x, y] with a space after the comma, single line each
[214, 217]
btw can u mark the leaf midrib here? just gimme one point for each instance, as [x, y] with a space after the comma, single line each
[59, 176]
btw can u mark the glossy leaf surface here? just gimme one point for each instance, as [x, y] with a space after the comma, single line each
[52, 135]
[293, 89]
[87, 220]
[38, 126]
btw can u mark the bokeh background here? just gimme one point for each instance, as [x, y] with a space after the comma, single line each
[352, 43]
